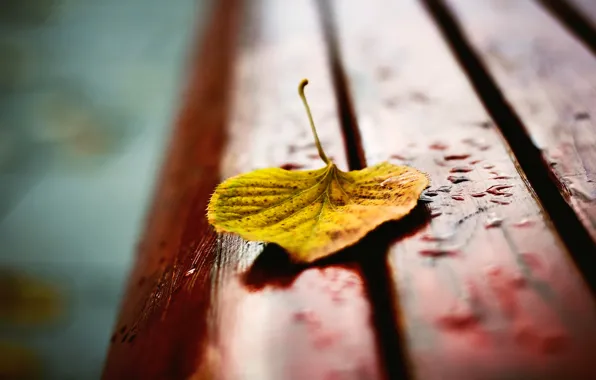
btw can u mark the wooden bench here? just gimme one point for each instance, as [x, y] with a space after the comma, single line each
[481, 281]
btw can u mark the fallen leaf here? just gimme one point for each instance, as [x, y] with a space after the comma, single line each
[314, 213]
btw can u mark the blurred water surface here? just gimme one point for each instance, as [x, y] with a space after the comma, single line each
[88, 91]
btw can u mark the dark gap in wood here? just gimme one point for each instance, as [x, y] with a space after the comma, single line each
[573, 20]
[529, 157]
[345, 108]
[371, 252]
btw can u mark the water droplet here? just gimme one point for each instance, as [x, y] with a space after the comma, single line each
[291, 166]
[488, 166]
[518, 280]
[457, 178]
[479, 194]
[524, 223]
[492, 221]
[438, 146]
[498, 189]
[190, 272]
[401, 157]
[436, 252]
[436, 238]
[500, 201]
[452, 157]
[458, 197]
[502, 176]
[461, 169]
[444, 188]
[435, 212]
[459, 317]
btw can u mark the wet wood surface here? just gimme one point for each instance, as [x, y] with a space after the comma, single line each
[207, 306]
[487, 290]
[547, 75]
[474, 284]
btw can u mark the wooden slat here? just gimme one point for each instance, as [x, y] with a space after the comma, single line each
[497, 301]
[222, 307]
[548, 76]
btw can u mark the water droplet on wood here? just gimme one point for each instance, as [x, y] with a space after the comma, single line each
[501, 176]
[458, 178]
[452, 157]
[291, 166]
[500, 201]
[436, 238]
[498, 189]
[435, 212]
[461, 169]
[438, 146]
[436, 252]
[425, 199]
[492, 221]
[459, 317]
[524, 223]
[401, 157]
[189, 272]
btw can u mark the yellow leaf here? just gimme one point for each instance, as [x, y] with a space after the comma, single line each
[314, 213]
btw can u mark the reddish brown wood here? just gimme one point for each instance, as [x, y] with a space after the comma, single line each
[548, 76]
[217, 306]
[487, 290]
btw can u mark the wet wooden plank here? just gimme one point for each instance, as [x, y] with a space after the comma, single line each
[486, 289]
[205, 306]
[548, 76]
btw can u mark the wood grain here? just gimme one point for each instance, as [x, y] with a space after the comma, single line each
[548, 76]
[479, 299]
[220, 307]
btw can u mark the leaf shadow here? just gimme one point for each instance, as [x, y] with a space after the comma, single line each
[274, 268]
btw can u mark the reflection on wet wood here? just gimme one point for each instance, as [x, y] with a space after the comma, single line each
[479, 293]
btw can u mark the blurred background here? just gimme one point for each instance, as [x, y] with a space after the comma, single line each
[88, 92]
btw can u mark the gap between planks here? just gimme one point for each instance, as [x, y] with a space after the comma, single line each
[529, 156]
[375, 268]
[574, 20]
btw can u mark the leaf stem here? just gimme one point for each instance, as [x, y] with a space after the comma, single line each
[322, 154]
